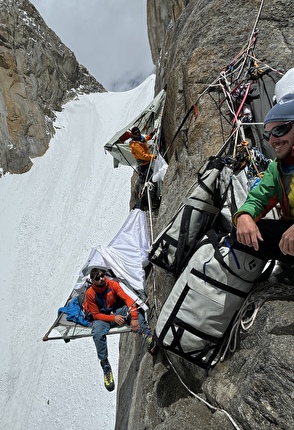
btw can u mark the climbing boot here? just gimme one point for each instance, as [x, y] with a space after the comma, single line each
[108, 376]
[149, 340]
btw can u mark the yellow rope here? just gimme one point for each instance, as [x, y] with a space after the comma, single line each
[245, 144]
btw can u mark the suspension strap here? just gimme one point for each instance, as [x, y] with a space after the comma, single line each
[121, 153]
[149, 186]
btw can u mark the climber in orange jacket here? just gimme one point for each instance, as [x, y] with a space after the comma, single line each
[110, 306]
[140, 148]
[140, 151]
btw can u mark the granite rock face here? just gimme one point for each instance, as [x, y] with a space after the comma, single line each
[38, 73]
[191, 42]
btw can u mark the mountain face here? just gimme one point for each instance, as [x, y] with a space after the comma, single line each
[38, 73]
[191, 41]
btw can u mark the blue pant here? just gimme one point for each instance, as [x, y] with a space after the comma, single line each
[101, 328]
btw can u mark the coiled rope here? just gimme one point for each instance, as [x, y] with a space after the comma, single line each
[250, 308]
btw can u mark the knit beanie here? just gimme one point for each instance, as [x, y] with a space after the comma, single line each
[282, 111]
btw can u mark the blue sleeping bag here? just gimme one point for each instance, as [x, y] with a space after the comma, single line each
[74, 313]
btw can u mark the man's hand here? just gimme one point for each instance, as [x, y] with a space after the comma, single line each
[247, 231]
[135, 325]
[119, 319]
[286, 243]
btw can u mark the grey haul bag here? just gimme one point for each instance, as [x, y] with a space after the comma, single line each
[196, 316]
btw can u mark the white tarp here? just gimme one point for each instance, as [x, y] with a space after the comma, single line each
[126, 255]
[147, 120]
[159, 168]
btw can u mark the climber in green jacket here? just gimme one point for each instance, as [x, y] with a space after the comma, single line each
[269, 238]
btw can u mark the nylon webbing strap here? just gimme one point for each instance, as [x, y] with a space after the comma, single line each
[203, 185]
[211, 234]
[200, 205]
[233, 199]
[195, 331]
[218, 284]
[183, 235]
[170, 240]
[174, 312]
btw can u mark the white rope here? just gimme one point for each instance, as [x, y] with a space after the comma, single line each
[246, 53]
[250, 308]
[265, 64]
[230, 104]
[256, 21]
[202, 400]
[149, 186]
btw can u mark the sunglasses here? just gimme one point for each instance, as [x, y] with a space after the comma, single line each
[98, 277]
[278, 131]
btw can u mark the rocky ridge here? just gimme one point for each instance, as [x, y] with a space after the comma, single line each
[38, 73]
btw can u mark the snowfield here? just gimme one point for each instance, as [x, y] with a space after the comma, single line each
[51, 217]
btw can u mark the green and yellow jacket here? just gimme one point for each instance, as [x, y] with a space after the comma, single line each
[276, 186]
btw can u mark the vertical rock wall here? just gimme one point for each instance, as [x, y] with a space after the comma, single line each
[191, 42]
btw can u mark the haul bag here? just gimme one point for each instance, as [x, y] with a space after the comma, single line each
[174, 246]
[194, 320]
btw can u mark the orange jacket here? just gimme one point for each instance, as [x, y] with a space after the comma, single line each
[127, 135]
[111, 297]
[140, 150]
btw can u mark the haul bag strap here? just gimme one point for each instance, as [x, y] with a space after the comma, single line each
[201, 205]
[234, 207]
[213, 238]
[211, 234]
[225, 194]
[174, 312]
[176, 346]
[218, 284]
[203, 185]
[169, 240]
[195, 331]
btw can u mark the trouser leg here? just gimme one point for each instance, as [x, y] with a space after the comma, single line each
[100, 330]
[143, 170]
[124, 311]
[271, 231]
[142, 321]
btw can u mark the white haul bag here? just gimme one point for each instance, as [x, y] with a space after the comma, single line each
[195, 318]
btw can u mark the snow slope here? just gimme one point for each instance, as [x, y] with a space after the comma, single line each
[51, 217]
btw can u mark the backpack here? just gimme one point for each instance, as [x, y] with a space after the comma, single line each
[174, 246]
[196, 317]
